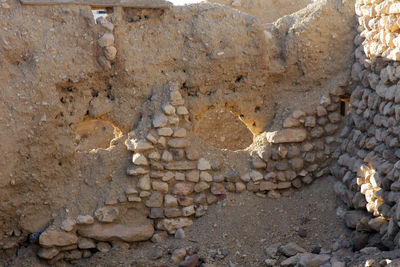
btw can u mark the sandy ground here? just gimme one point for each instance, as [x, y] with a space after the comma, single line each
[245, 225]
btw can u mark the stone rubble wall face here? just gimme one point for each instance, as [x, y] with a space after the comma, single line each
[177, 184]
[368, 159]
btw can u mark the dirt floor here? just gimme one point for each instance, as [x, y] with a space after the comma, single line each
[242, 226]
[246, 224]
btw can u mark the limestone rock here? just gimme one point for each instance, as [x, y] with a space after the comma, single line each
[217, 189]
[178, 255]
[240, 187]
[155, 200]
[179, 176]
[109, 232]
[154, 155]
[138, 145]
[171, 225]
[185, 201]
[291, 249]
[169, 109]
[290, 262]
[134, 198]
[200, 187]
[180, 234]
[176, 98]
[168, 176]
[166, 156]
[135, 171]
[106, 214]
[267, 186]
[131, 190]
[182, 189]
[106, 40]
[170, 201]
[160, 120]
[287, 136]
[178, 143]
[144, 194]
[110, 52]
[165, 131]
[84, 219]
[258, 163]
[144, 183]
[68, 224]
[86, 243]
[160, 186]
[181, 165]
[203, 165]
[291, 122]
[205, 177]
[108, 26]
[151, 138]
[182, 110]
[245, 177]
[193, 176]
[53, 237]
[256, 175]
[187, 211]
[297, 114]
[172, 212]
[47, 253]
[180, 133]
[139, 159]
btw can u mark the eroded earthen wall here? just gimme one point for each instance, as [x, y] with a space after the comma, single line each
[152, 74]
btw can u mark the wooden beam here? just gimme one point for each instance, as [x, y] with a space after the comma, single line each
[103, 3]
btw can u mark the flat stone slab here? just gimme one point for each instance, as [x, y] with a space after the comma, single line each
[109, 232]
[286, 136]
[103, 3]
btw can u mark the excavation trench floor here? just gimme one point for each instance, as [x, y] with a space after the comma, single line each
[243, 225]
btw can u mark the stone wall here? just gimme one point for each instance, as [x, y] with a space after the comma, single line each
[368, 157]
[176, 180]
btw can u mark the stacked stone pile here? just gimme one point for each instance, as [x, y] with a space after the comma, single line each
[106, 43]
[369, 157]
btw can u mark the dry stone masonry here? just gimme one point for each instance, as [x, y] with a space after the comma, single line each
[176, 182]
[165, 177]
[368, 158]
